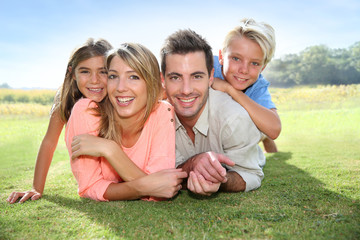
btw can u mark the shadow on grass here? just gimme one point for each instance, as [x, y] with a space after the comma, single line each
[289, 197]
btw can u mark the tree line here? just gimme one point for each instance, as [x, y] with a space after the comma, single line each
[43, 97]
[316, 65]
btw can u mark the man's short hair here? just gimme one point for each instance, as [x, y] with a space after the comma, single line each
[183, 42]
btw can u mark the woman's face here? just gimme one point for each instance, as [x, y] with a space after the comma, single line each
[126, 90]
[91, 78]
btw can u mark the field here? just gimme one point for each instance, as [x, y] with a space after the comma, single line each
[310, 190]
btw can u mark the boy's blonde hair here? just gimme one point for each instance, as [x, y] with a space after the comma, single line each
[259, 32]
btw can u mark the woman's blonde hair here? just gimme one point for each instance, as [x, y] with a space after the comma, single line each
[259, 32]
[69, 92]
[144, 63]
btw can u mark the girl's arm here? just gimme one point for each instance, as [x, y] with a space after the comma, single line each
[87, 144]
[92, 183]
[43, 160]
[266, 120]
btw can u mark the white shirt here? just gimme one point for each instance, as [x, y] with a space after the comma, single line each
[225, 127]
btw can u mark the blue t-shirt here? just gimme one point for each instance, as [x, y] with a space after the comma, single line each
[258, 92]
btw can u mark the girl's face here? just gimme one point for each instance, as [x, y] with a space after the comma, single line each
[126, 90]
[91, 78]
[242, 62]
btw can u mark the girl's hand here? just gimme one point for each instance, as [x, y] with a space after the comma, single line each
[14, 196]
[90, 145]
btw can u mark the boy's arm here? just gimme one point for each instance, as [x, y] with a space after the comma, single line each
[266, 120]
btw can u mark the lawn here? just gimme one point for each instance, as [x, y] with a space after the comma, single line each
[310, 190]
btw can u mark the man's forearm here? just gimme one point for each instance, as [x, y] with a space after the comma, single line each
[235, 183]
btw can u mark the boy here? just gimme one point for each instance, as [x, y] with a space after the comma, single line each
[246, 51]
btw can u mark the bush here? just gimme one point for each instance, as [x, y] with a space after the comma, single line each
[43, 97]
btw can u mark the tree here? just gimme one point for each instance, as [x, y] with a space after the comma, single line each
[4, 85]
[316, 65]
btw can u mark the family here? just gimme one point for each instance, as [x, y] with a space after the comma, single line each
[135, 130]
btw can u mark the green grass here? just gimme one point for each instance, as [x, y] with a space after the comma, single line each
[310, 191]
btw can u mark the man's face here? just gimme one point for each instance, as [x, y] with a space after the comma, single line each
[186, 82]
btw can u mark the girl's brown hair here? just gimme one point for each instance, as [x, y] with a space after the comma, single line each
[69, 93]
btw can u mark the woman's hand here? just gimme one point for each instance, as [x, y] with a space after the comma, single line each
[90, 145]
[163, 184]
[33, 194]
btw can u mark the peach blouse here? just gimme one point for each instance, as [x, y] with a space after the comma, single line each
[154, 150]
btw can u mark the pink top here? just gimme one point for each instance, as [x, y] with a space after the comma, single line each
[154, 150]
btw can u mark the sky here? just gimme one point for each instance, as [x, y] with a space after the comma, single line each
[37, 37]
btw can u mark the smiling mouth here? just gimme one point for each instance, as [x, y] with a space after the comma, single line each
[188, 100]
[241, 79]
[96, 90]
[124, 100]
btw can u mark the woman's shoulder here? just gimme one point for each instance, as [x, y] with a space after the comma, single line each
[163, 111]
[83, 104]
[165, 105]
[164, 108]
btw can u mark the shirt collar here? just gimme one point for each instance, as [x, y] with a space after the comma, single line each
[202, 124]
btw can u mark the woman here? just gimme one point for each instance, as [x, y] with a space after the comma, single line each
[132, 116]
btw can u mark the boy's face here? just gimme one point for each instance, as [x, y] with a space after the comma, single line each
[186, 82]
[242, 62]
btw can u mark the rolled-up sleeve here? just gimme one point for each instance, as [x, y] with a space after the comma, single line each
[87, 170]
[240, 142]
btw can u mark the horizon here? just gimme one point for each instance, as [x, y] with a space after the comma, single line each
[39, 36]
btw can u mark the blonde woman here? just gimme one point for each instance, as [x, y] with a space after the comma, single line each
[134, 155]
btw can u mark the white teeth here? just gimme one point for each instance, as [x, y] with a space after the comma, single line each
[124, 100]
[95, 89]
[187, 100]
[241, 79]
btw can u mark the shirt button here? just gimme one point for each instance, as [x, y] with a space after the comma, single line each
[171, 120]
[169, 109]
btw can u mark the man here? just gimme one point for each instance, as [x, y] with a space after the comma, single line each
[216, 141]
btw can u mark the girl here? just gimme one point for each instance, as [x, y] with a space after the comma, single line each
[133, 117]
[85, 76]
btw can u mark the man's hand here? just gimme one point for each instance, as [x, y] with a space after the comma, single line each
[197, 184]
[209, 166]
